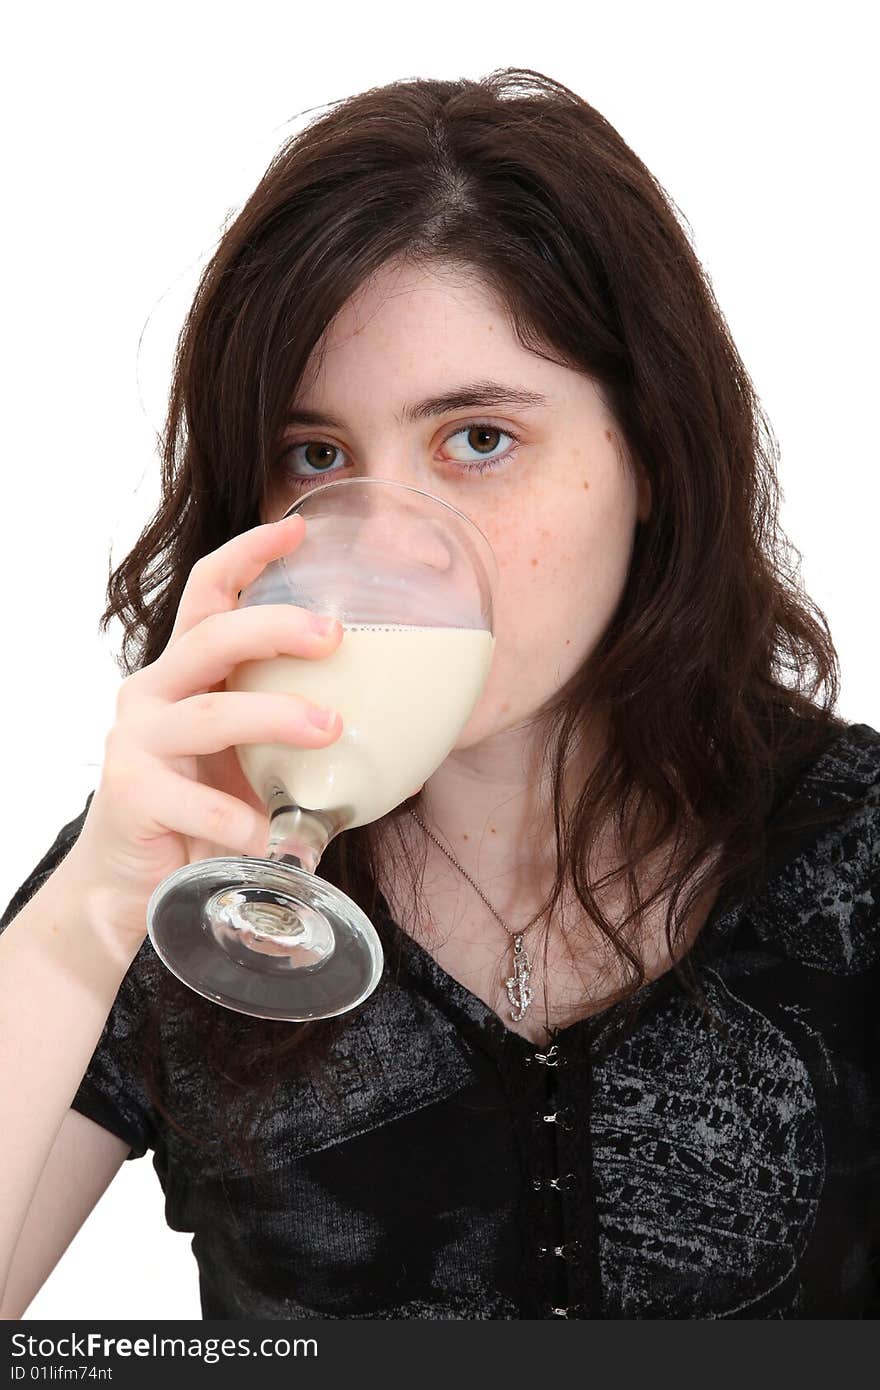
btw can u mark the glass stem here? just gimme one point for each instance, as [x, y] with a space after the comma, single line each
[296, 836]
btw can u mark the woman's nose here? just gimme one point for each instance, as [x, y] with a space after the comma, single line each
[408, 529]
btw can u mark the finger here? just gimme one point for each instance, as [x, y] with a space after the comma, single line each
[209, 723]
[216, 580]
[203, 657]
[178, 804]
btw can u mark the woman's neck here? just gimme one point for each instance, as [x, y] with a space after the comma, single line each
[492, 807]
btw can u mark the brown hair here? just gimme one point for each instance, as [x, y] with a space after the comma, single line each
[713, 669]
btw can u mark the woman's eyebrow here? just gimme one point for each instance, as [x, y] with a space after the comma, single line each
[474, 395]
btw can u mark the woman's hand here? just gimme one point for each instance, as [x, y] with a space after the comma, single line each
[153, 811]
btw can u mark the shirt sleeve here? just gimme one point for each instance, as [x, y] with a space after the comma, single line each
[111, 1092]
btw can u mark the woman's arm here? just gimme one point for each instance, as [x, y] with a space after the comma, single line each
[83, 1162]
[61, 968]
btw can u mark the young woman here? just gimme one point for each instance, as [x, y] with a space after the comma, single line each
[477, 288]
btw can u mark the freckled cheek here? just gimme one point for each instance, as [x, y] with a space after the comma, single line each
[536, 603]
[534, 550]
[525, 551]
[547, 587]
[540, 629]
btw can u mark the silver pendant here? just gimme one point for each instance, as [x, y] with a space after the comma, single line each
[518, 991]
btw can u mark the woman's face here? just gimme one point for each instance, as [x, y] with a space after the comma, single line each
[560, 506]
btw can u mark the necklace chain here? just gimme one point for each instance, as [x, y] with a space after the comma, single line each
[518, 991]
[510, 930]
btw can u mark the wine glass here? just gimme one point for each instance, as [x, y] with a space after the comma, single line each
[412, 580]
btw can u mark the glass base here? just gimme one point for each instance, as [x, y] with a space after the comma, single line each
[265, 938]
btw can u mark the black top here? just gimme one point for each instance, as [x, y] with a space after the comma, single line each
[664, 1170]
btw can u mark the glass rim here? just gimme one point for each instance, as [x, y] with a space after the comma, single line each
[406, 487]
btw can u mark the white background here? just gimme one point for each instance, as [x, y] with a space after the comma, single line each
[132, 134]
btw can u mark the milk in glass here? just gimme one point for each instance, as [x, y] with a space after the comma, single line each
[404, 693]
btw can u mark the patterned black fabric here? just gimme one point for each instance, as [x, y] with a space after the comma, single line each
[664, 1169]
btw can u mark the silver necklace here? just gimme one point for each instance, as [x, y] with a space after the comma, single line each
[518, 990]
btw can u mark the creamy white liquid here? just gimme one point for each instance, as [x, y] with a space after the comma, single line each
[404, 694]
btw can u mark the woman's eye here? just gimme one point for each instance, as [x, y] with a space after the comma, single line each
[312, 459]
[483, 439]
[314, 453]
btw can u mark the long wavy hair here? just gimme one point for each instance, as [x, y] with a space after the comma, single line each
[717, 673]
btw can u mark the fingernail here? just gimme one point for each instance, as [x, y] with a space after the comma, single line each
[322, 625]
[322, 718]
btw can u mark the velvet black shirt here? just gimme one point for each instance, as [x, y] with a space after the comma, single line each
[660, 1169]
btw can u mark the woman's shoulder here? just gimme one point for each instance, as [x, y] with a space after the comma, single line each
[822, 904]
[848, 768]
